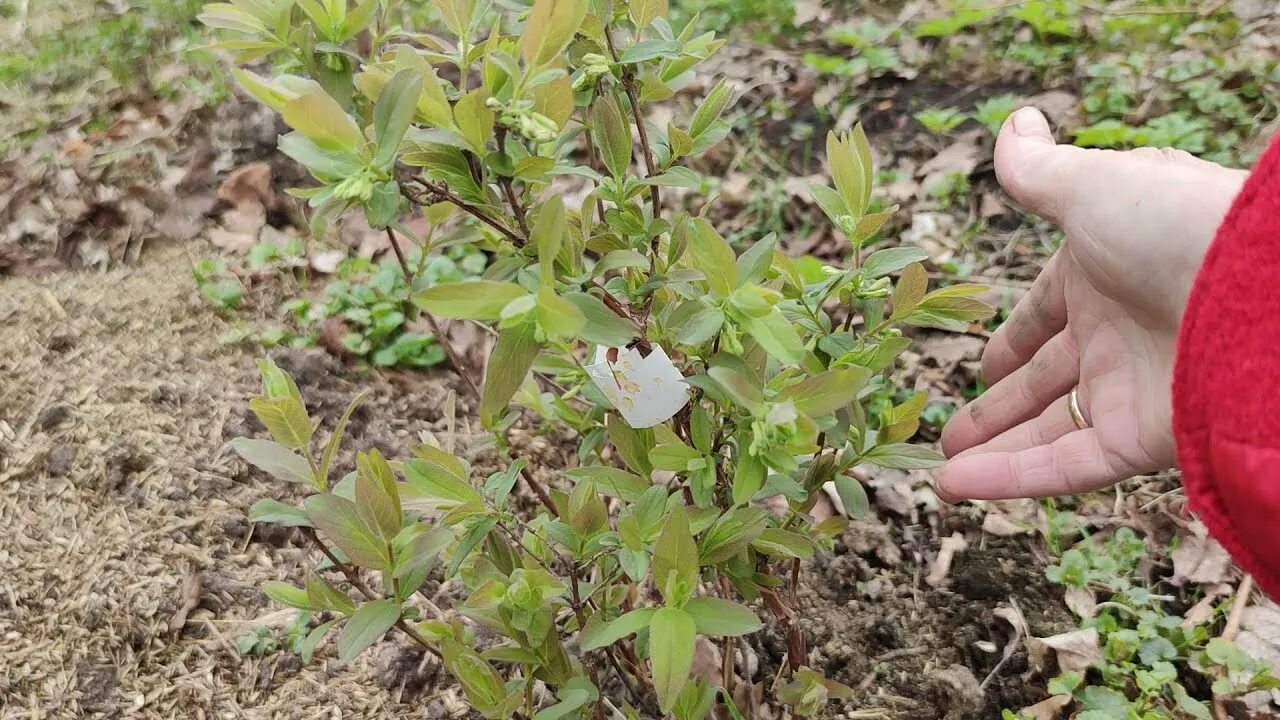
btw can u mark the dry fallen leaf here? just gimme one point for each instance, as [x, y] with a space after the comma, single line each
[249, 186]
[191, 590]
[1050, 709]
[1074, 651]
[1205, 610]
[1200, 559]
[1081, 601]
[232, 241]
[327, 261]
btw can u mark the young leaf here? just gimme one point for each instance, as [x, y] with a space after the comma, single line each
[308, 646]
[755, 262]
[324, 596]
[323, 120]
[550, 27]
[612, 482]
[612, 134]
[547, 236]
[891, 260]
[475, 120]
[749, 474]
[274, 459]
[853, 496]
[558, 318]
[738, 386]
[909, 291]
[508, 366]
[377, 498]
[440, 488]
[777, 336]
[598, 634]
[644, 12]
[286, 419]
[369, 623]
[711, 254]
[288, 595]
[710, 110]
[572, 695]
[777, 542]
[456, 14]
[826, 392]
[632, 445]
[339, 520]
[675, 556]
[722, 618]
[393, 114]
[671, 641]
[274, 511]
[331, 449]
[470, 300]
[901, 456]
[602, 326]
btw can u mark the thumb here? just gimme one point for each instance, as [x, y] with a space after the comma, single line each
[1037, 172]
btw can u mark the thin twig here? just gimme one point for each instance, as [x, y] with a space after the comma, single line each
[440, 192]
[354, 578]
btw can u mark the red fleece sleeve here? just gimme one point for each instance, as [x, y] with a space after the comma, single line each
[1226, 384]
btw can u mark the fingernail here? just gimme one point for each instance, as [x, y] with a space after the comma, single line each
[1027, 122]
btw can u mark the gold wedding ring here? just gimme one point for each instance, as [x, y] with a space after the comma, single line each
[1073, 407]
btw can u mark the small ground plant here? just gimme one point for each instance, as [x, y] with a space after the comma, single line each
[698, 380]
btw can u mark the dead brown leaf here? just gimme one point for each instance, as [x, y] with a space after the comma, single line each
[191, 590]
[942, 565]
[249, 187]
[1200, 559]
[232, 241]
[1081, 601]
[1074, 651]
[961, 156]
[1050, 709]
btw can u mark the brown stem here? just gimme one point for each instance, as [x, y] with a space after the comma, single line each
[354, 578]
[440, 192]
[650, 162]
[516, 208]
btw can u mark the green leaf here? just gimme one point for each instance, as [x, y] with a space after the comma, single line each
[547, 236]
[756, 261]
[731, 534]
[710, 110]
[891, 260]
[394, 112]
[339, 520]
[324, 596]
[377, 498]
[901, 456]
[602, 326]
[470, 300]
[598, 634]
[853, 496]
[738, 386]
[475, 120]
[286, 419]
[711, 254]
[722, 618]
[644, 12]
[323, 120]
[469, 542]
[680, 177]
[441, 488]
[288, 595]
[509, 364]
[777, 336]
[613, 482]
[674, 457]
[681, 143]
[612, 134]
[274, 511]
[572, 695]
[671, 641]
[910, 290]
[313, 639]
[649, 49]
[675, 556]
[827, 392]
[331, 449]
[632, 445]
[776, 542]
[557, 317]
[550, 27]
[748, 476]
[370, 623]
[832, 204]
[274, 459]
[456, 14]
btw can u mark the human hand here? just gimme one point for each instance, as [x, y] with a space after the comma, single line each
[1102, 317]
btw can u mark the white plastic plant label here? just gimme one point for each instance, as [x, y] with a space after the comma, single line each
[646, 390]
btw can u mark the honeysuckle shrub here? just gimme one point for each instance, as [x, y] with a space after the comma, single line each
[698, 380]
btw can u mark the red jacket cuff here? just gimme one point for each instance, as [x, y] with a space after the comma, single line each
[1226, 385]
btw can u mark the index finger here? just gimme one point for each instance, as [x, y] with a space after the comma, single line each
[1034, 320]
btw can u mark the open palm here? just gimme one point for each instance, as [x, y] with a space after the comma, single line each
[1103, 316]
